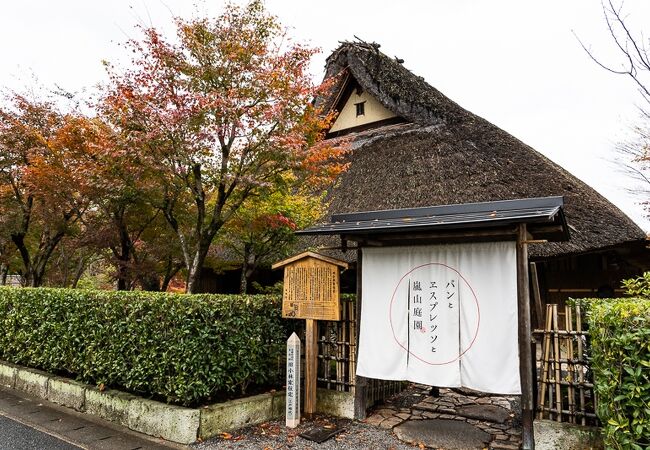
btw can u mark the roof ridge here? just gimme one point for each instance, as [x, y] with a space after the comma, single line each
[446, 154]
[391, 83]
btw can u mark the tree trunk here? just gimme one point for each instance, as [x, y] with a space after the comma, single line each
[194, 271]
[36, 279]
[150, 282]
[4, 271]
[35, 267]
[193, 280]
[38, 269]
[170, 272]
[81, 268]
[243, 280]
[122, 276]
[248, 268]
[19, 241]
[124, 254]
[165, 284]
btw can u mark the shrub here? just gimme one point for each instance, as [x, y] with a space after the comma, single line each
[184, 348]
[638, 287]
[620, 348]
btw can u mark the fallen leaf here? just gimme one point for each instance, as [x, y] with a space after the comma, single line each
[101, 387]
[225, 435]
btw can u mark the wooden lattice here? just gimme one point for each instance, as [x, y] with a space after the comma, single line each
[564, 387]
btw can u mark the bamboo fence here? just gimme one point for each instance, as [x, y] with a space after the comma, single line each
[564, 387]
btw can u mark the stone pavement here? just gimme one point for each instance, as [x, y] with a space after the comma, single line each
[457, 419]
[47, 422]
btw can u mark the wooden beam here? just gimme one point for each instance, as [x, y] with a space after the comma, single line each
[525, 335]
[360, 383]
[362, 240]
[379, 238]
[546, 229]
[302, 255]
[537, 295]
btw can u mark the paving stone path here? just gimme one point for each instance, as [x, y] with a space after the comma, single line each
[490, 420]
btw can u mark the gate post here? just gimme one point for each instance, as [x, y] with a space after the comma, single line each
[360, 383]
[525, 353]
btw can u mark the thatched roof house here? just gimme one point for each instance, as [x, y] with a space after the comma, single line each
[413, 147]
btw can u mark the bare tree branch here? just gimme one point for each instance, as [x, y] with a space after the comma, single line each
[633, 154]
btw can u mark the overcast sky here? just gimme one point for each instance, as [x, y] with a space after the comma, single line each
[516, 63]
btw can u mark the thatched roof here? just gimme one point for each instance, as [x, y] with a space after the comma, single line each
[444, 154]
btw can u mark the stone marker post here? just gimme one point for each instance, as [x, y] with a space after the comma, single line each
[292, 408]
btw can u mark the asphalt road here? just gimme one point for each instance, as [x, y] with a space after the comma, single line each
[16, 436]
[30, 423]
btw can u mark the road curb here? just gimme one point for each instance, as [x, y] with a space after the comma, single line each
[157, 419]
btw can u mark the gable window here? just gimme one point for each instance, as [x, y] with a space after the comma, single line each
[361, 109]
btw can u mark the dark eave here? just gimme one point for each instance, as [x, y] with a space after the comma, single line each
[544, 216]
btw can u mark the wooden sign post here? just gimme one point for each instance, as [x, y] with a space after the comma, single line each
[292, 406]
[311, 292]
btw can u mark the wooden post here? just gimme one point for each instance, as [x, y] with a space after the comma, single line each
[311, 355]
[539, 318]
[581, 380]
[360, 383]
[568, 326]
[292, 405]
[558, 372]
[546, 349]
[525, 354]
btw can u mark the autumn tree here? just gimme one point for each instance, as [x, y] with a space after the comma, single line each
[71, 258]
[262, 230]
[42, 188]
[119, 213]
[8, 254]
[219, 114]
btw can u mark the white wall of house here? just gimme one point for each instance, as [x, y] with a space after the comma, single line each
[373, 112]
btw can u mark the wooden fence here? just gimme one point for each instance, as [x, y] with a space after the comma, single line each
[564, 383]
[337, 349]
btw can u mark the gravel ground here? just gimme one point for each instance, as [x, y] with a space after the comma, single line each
[274, 435]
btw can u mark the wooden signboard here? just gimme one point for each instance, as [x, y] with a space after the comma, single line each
[311, 292]
[311, 287]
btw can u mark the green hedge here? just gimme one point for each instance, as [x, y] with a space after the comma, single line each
[620, 360]
[183, 348]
